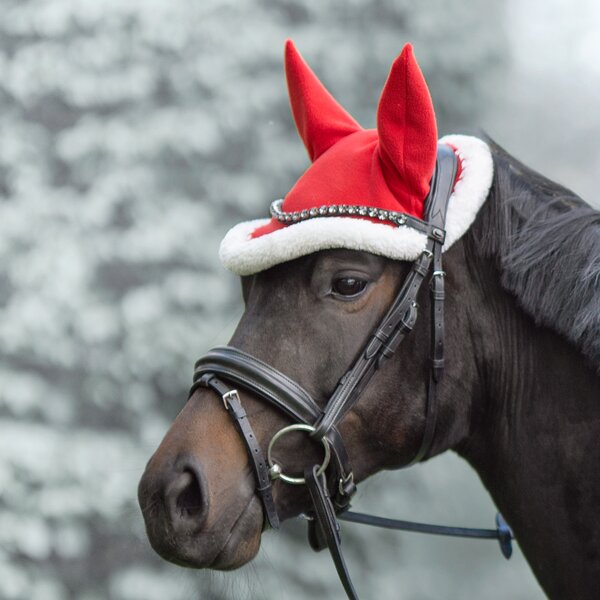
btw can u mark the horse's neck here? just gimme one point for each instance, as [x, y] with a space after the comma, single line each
[535, 442]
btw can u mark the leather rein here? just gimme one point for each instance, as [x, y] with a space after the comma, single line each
[331, 483]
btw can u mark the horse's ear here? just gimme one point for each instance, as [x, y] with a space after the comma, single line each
[407, 128]
[320, 120]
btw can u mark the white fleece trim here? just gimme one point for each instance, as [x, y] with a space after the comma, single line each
[245, 255]
[472, 189]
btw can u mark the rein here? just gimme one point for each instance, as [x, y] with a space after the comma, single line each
[331, 483]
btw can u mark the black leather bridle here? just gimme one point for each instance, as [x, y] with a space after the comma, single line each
[331, 484]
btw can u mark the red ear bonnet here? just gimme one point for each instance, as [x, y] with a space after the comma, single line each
[407, 131]
[387, 168]
[362, 185]
[320, 120]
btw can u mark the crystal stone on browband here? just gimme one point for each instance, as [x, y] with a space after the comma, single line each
[334, 210]
[399, 219]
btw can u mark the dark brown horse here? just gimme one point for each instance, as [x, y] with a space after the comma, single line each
[520, 399]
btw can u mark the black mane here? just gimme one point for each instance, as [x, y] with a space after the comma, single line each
[546, 242]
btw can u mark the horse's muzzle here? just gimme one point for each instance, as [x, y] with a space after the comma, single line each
[174, 503]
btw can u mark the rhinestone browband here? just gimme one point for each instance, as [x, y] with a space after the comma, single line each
[335, 210]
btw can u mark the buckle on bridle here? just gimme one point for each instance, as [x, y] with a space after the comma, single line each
[437, 234]
[231, 394]
[276, 471]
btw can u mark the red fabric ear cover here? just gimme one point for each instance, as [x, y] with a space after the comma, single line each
[320, 120]
[388, 168]
[407, 129]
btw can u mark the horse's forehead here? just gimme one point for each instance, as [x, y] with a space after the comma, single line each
[342, 257]
[325, 259]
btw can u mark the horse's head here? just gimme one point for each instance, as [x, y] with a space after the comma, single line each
[315, 289]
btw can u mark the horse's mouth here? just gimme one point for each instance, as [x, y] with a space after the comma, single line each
[243, 541]
[223, 547]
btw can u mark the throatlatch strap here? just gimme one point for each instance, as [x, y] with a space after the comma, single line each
[436, 208]
[436, 215]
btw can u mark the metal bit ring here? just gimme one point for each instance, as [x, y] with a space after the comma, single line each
[276, 471]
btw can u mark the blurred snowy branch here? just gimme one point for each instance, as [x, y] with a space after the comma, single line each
[132, 135]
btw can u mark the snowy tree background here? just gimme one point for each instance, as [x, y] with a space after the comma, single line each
[132, 136]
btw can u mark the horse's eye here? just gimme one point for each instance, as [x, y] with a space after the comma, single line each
[348, 286]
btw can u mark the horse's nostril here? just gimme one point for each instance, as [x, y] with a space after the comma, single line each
[187, 501]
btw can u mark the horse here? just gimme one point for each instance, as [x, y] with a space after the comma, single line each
[519, 399]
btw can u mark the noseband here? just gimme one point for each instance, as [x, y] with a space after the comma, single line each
[331, 483]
